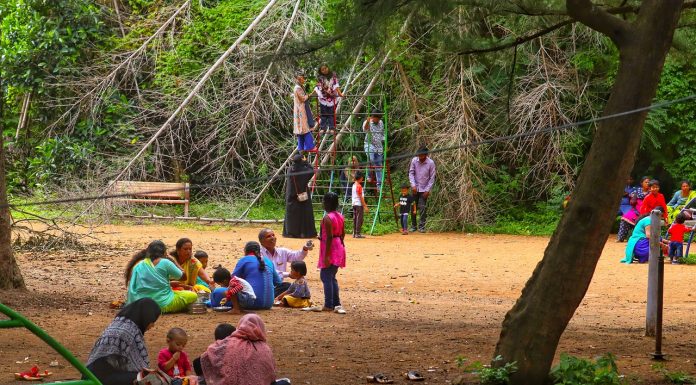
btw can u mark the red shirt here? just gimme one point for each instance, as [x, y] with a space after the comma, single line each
[182, 366]
[651, 201]
[676, 232]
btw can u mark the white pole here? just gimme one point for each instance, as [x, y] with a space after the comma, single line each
[653, 274]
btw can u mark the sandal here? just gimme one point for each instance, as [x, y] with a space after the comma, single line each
[380, 379]
[413, 375]
[32, 374]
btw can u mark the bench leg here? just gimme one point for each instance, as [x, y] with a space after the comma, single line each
[186, 209]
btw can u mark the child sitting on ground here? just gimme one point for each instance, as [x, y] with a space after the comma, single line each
[676, 238]
[297, 294]
[202, 257]
[406, 204]
[222, 331]
[232, 290]
[174, 361]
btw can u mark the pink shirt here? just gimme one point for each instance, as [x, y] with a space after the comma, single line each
[338, 250]
[179, 369]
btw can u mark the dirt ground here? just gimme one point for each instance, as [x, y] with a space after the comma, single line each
[414, 302]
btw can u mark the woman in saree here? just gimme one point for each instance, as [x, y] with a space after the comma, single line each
[193, 268]
[630, 217]
[638, 246]
[148, 274]
[680, 199]
[120, 353]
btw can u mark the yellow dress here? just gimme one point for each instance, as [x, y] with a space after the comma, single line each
[191, 268]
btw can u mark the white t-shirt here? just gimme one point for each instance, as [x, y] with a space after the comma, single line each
[247, 288]
[356, 194]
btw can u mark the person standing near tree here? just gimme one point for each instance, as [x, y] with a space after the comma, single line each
[421, 174]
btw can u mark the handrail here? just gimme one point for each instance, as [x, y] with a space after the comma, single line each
[17, 320]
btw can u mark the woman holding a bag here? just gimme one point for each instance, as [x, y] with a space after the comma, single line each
[120, 353]
[299, 217]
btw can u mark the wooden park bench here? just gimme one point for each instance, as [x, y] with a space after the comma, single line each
[152, 192]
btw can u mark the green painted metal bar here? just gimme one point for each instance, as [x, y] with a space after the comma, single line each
[65, 353]
[375, 215]
[11, 323]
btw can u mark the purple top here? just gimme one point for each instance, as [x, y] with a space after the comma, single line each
[282, 256]
[422, 175]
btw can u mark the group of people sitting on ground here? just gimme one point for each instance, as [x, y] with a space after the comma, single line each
[239, 356]
[634, 225]
[161, 283]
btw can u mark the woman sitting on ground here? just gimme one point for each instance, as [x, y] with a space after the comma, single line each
[630, 217]
[193, 268]
[244, 358]
[260, 273]
[120, 353]
[638, 246]
[148, 274]
[680, 199]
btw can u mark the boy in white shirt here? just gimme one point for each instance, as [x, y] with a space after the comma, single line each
[359, 205]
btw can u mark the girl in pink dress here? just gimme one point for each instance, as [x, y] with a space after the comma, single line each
[332, 253]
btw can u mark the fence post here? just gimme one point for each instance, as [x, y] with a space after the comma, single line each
[655, 262]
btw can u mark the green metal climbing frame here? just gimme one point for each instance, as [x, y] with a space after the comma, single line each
[328, 178]
[16, 320]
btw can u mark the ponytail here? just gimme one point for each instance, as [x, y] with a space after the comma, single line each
[139, 256]
[254, 248]
[155, 250]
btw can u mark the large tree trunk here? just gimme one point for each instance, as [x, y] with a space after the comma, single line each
[10, 276]
[532, 328]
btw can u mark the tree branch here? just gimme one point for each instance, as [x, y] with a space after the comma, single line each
[520, 40]
[599, 19]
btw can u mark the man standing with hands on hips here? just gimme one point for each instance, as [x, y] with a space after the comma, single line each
[421, 174]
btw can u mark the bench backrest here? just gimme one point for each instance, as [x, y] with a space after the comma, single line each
[146, 189]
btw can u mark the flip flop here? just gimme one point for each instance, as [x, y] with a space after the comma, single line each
[32, 374]
[380, 379]
[413, 375]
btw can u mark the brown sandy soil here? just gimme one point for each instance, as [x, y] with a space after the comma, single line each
[414, 302]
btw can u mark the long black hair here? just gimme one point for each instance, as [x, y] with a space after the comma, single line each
[254, 248]
[142, 312]
[331, 200]
[179, 244]
[156, 249]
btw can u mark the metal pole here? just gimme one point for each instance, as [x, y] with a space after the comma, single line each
[653, 274]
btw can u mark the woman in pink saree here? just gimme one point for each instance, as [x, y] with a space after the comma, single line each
[243, 358]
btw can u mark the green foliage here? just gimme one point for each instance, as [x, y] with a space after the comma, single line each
[489, 375]
[40, 38]
[579, 371]
[202, 42]
[689, 259]
[58, 156]
[674, 377]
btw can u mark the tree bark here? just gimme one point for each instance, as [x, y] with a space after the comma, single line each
[10, 275]
[532, 328]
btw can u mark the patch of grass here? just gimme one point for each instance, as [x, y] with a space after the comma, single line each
[487, 374]
[579, 371]
[674, 377]
[690, 259]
